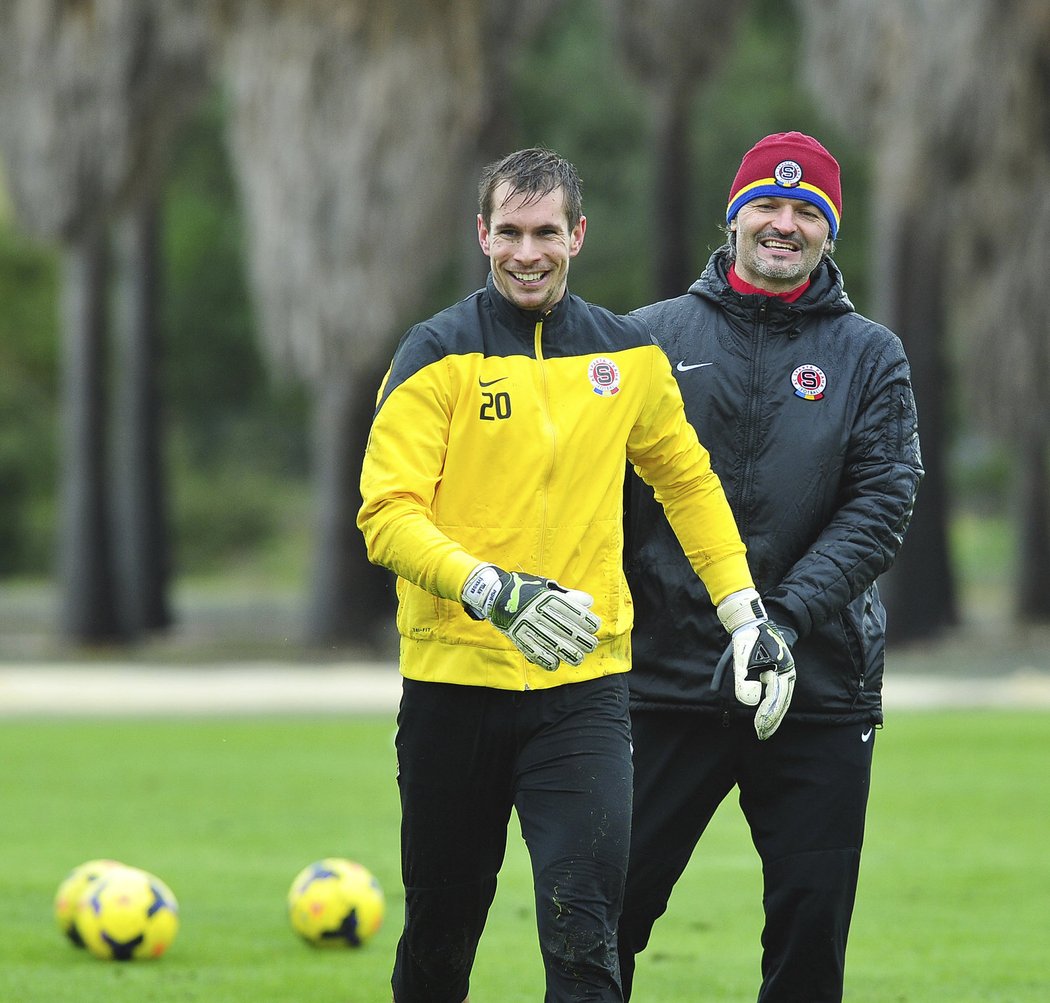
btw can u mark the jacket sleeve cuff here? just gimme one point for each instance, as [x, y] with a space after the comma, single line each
[787, 612]
[726, 577]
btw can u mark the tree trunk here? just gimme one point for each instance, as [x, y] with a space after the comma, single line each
[351, 600]
[920, 591]
[1033, 573]
[674, 255]
[88, 609]
[142, 534]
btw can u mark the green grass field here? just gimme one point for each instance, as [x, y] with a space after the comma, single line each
[953, 903]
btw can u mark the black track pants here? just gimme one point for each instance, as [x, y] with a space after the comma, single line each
[561, 758]
[804, 793]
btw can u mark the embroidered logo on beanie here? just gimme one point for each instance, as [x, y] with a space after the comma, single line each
[789, 165]
[788, 174]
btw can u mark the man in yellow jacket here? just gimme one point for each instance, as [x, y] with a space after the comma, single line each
[494, 471]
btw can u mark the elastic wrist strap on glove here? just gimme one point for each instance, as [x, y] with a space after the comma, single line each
[480, 591]
[741, 609]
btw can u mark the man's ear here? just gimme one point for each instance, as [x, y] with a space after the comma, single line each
[576, 237]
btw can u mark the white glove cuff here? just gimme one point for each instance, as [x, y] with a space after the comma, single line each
[480, 589]
[741, 609]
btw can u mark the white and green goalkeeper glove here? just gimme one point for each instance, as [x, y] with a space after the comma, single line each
[547, 623]
[761, 659]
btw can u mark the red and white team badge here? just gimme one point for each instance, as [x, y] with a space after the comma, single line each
[809, 382]
[788, 174]
[604, 375]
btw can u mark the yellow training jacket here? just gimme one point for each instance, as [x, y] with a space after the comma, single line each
[501, 436]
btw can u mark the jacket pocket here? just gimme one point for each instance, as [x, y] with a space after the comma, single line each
[418, 612]
[864, 629]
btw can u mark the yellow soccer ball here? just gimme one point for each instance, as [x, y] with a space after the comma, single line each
[127, 914]
[336, 902]
[70, 891]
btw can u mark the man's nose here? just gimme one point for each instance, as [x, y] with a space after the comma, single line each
[528, 249]
[784, 220]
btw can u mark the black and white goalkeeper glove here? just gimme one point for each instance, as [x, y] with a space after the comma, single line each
[761, 660]
[548, 624]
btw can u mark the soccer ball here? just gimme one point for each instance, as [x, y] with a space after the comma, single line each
[70, 891]
[127, 913]
[335, 903]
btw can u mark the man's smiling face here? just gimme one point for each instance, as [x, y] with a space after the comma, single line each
[529, 244]
[779, 241]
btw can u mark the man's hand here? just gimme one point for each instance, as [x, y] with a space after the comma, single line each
[548, 624]
[761, 660]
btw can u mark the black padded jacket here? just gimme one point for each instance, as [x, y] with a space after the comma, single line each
[808, 413]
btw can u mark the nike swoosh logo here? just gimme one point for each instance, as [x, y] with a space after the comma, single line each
[488, 383]
[866, 735]
[683, 368]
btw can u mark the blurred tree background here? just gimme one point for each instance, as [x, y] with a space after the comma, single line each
[217, 218]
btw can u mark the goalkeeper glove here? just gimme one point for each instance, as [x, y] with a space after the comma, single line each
[758, 649]
[547, 623]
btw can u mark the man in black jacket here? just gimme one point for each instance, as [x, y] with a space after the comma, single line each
[807, 410]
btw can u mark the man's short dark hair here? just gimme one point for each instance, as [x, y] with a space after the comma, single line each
[533, 173]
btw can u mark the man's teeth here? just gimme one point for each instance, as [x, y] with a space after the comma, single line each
[779, 245]
[528, 276]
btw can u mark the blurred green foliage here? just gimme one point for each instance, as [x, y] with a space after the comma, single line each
[237, 438]
[759, 92]
[213, 368]
[236, 434]
[571, 94]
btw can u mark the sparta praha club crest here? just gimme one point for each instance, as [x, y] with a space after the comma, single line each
[604, 375]
[809, 382]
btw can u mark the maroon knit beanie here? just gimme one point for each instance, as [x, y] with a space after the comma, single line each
[789, 165]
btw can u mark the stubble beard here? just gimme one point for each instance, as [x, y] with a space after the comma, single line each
[779, 271]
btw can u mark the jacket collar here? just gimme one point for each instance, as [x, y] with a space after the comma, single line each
[825, 294]
[525, 321]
